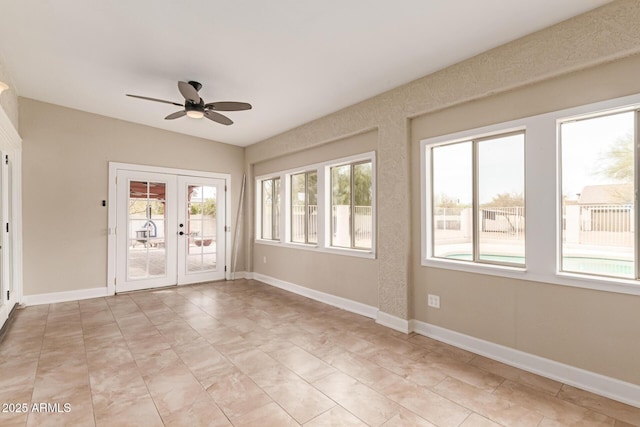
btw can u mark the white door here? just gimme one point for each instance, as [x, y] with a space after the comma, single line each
[8, 297]
[201, 229]
[146, 230]
[170, 230]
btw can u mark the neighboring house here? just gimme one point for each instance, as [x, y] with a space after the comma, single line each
[607, 207]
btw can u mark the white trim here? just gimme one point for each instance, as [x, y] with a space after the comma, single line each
[590, 381]
[393, 322]
[114, 167]
[358, 253]
[8, 133]
[11, 144]
[541, 172]
[323, 196]
[238, 275]
[66, 296]
[16, 215]
[335, 301]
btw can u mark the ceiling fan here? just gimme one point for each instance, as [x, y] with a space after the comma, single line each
[195, 107]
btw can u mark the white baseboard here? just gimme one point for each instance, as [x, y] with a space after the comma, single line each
[239, 275]
[54, 297]
[599, 384]
[393, 322]
[343, 303]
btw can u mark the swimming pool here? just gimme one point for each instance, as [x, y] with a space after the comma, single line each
[573, 264]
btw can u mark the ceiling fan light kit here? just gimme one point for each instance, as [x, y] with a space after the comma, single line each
[195, 114]
[195, 107]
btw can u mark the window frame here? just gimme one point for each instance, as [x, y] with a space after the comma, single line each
[274, 226]
[635, 110]
[352, 205]
[306, 206]
[543, 207]
[475, 190]
[323, 199]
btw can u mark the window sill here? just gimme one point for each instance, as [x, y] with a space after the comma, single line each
[471, 267]
[584, 281]
[358, 253]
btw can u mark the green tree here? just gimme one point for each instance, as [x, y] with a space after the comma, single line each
[341, 184]
[146, 208]
[298, 188]
[617, 162]
[209, 207]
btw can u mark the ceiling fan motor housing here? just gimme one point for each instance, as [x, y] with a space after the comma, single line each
[191, 106]
[197, 86]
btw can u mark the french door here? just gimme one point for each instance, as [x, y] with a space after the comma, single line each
[170, 229]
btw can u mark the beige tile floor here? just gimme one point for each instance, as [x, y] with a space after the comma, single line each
[245, 354]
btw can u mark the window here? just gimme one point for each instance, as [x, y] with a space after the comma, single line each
[328, 207]
[582, 186]
[598, 195]
[351, 205]
[304, 207]
[477, 200]
[270, 203]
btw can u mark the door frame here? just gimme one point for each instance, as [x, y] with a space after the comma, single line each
[114, 167]
[183, 244]
[11, 145]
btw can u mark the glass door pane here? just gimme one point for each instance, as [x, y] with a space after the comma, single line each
[201, 235]
[147, 256]
[202, 215]
[146, 230]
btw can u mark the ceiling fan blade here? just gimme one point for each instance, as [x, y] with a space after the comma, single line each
[189, 92]
[176, 115]
[228, 106]
[216, 117]
[155, 99]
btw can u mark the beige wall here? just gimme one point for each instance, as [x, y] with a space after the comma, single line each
[594, 52]
[344, 276]
[65, 169]
[593, 330]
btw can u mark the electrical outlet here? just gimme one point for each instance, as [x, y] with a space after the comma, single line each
[433, 301]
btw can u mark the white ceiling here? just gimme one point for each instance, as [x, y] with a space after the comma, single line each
[293, 60]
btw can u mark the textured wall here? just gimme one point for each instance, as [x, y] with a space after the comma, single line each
[599, 36]
[593, 330]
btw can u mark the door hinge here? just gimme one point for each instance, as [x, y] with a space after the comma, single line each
[8, 295]
[227, 228]
[6, 159]
[225, 187]
[225, 268]
[115, 281]
[7, 227]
